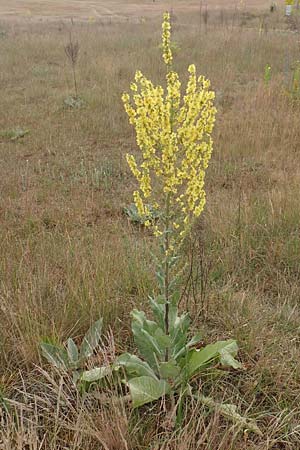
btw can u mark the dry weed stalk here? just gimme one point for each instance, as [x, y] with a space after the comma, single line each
[72, 52]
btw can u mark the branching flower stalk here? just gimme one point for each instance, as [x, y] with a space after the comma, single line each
[173, 133]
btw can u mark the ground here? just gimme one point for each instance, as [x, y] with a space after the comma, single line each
[108, 10]
[70, 255]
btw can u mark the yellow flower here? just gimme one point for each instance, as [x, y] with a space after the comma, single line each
[139, 203]
[173, 133]
[166, 39]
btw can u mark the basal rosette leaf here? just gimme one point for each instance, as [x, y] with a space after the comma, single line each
[149, 338]
[91, 339]
[134, 366]
[169, 369]
[56, 355]
[178, 333]
[227, 355]
[198, 360]
[72, 350]
[146, 389]
[182, 350]
[96, 374]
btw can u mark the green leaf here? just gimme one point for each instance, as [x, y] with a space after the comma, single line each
[144, 332]
[160, 279]
[146, 389]
[179, 331]
[134, 366]
[72, 351]
[182, 351]
[169, 369]
[173, 317]
[227, 357]
[93, 375]
[158, 308]
[91, 339]
[132, 212]
[199, 359]
[57, 356]
[195, 340]
[162, 339]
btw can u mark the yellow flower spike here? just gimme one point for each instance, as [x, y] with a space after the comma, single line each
[173, 133]
[166, 40]
[192, 69]
[133, 166]
[139, 203]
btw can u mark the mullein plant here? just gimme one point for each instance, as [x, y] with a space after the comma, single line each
[174, 136]
[173, 133]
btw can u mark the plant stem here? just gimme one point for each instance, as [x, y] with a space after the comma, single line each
[75, 81]
[167, 270]
[167, 247]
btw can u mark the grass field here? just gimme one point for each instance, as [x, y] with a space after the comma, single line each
[69, 255]
[114, 10]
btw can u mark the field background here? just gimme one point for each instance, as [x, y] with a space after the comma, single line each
[68, 253]
[112, 10]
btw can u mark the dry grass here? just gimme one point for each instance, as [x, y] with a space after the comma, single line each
[68, 254]
[114, 10]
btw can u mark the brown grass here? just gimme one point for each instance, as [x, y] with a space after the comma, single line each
[114, 10]
[69, 255]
